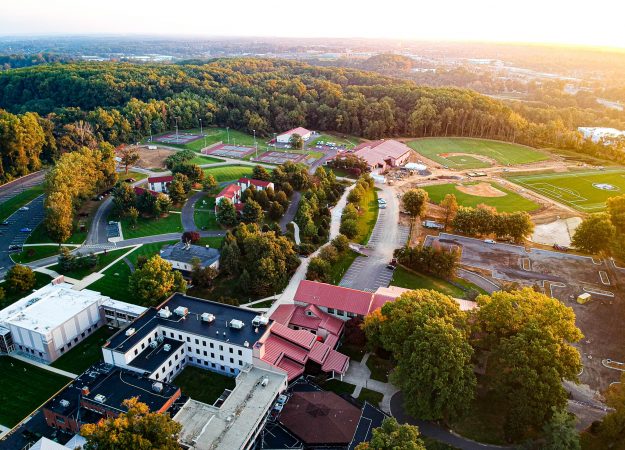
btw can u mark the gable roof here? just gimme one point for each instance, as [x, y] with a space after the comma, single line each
[161, 179]
[180, 252]
[378, 152]
[335, 297]
[141, 191]
[254, 182]
[299, 130]
[230, 191]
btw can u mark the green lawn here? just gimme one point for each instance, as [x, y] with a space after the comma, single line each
[204, 213]
[265, 304]
[205, 160]
[438, 150]
[339, 268]
[150, 226]
[379, 367]
[86, 353]
[13, 204]
[341, 173]
[24, 389]
[212, 241]
[508, 203]
[349, 141]
[372, 397]
[580, 190]
[40, 236]
[11, 297]
[214, 135]
[229, 173]
[338, 386]
[29, 254]
[131, 174]
[405, 278]
[203, 385]
[366, 221]
[114, 283]
[103, 261]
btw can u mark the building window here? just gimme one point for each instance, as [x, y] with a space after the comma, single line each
[169, 364]
[205, 353]
[156, 376]
[213, 355]
[221, 357]
[197, 350]
[213, 365]
[82, 334]
[188, 339]
[149, 339]
[230, 349]
[162, 369]
[204, 343]
[240, 352]
[180, 337]
[240, 362]
[136, 351]
[197, 342]
[231, 360]
[75, 340]
[171, 335]
[331, 310]
[142, 345]
[231, 370]
[221, 348]
[222, 368]
[212, 345]
[176, 356]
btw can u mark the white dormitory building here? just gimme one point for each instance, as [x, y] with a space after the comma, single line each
[54, 319]
[597, 134]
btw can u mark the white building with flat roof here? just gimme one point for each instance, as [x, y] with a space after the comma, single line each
[597, 134]
[54, 319]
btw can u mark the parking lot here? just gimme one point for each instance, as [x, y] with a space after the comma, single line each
[563, 276]
[10, 234]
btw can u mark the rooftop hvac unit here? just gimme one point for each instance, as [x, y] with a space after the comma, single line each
[265, 382]
[64, 403]
[154, 344]
[164, 313]
[260, 320]
[100, 398]
[167, 347]
[160, 339]
[246, 344]
[130, 331]
[181, 311]
[85, 390]
[235, 323]
[157, 386]
[208, 317]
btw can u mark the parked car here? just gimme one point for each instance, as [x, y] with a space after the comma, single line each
[26, 230]
[24, 208]
[382, 206]
[5, 223]
[14, 247]
[490, 241]
[381, 200]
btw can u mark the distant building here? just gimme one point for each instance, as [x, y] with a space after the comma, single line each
[285, 137]
[384, 154]
[433, 225]
[54, 319]
[140, 191]
[260, 185]
[233, 193]
[99, 393]
[597, 134]
[160, 184]
[181, 256]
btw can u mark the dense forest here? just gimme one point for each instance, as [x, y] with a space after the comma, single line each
[120, 102]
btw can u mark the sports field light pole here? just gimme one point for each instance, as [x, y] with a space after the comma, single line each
[228, 133]
[176, 119]
[255, 143]
[200, 126]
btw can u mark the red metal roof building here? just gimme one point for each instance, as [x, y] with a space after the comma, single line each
[258, 184]
[160, 184]
[233, 193]
[141, 191]
[336, 300]
[286, 136]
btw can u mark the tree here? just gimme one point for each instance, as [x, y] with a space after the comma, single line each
[329, 253]
[163, 203]
[296, 142]
[190, 236]
[230, 258]
[349, 228]
[393, 436]
[59, 216]
[124, 198]
[260, 173]
[178, 188]
[252, 212]
[610, 432]
[560, 433]
[415, 202]
[202, 276]
[209, 183]
[138, 428]
[226, 213]
[450, 208]
[156, 280]
[616, 210]
[282, 199]
[318, 270]
[529, 336]
[341, 243]
[428, 336]
[133, 216]
[595, 234]
[276, 211]
[19, 279]
[129, 156]
[66, 260]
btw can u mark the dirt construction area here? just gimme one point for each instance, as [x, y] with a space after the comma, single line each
[481, 190]
[149, 159]
[563, 276]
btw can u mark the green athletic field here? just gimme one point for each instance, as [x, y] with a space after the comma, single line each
[509, 203]
[580, 190]
[504, 153]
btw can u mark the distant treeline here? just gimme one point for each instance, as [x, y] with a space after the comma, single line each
[26, 60]
[122, 102]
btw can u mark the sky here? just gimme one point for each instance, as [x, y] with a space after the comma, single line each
[573, 22]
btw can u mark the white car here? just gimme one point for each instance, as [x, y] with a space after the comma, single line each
[381, 201]
[24, 208]
[490, 241]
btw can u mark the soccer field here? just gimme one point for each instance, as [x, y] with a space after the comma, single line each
[510, 202]
[585, 191]
[455, 152]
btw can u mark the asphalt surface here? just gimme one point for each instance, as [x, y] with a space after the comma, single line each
[370, 273]
[187, 214]
[11, 189]
[11, 234]
[435, 431]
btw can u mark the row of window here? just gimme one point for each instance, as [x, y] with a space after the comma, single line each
[85, 333]
[340, 312]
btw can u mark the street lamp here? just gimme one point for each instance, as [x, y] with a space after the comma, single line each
[176, 119]
[228, 133]
[255, 143]
[201, 127]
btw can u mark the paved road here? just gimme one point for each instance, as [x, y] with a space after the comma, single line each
[435, 431]
[369, 273]
[11, 189]
[187, 214]
[290, 212]
[11, 234]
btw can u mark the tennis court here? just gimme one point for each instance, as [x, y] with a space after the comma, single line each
[281, 157]
[585, 191]
[180, 138]
[230, 151]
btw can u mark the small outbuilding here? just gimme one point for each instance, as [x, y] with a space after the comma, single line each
[181, 256]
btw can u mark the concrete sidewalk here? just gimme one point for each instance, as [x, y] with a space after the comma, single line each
[359, 375]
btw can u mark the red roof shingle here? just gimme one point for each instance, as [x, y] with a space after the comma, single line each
[335, 297]
[162, 179]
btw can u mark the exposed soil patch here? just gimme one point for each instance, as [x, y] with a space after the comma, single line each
[481, 190]
[152, 158]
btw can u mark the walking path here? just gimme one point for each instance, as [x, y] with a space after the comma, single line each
[43, 366]
[359, 375]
